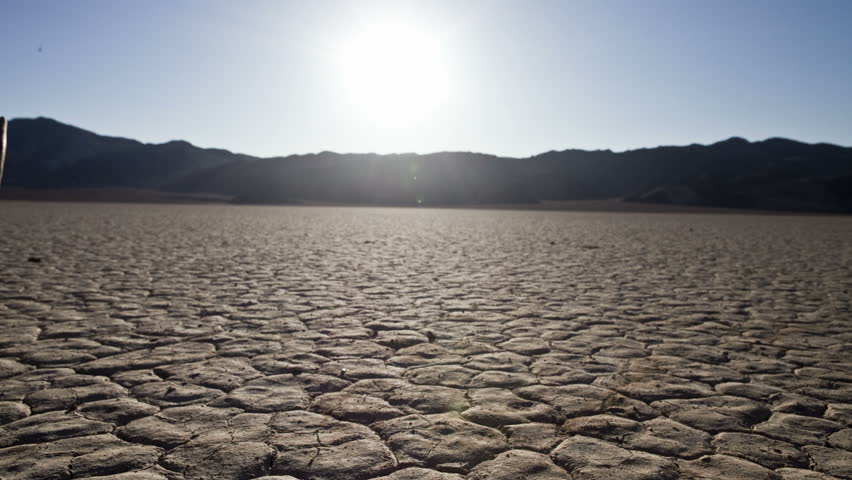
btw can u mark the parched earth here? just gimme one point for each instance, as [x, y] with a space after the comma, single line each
[212, 342]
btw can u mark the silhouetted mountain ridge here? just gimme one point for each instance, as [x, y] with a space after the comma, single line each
[775, 173]
[44, 153]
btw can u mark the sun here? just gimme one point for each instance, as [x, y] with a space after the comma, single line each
[394, 73]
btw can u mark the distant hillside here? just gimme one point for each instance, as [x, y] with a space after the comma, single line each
[775, 174]
[44, 153]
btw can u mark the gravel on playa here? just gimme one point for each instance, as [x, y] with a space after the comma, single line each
[153, 342]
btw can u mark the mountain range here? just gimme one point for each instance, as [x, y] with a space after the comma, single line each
[773, 174]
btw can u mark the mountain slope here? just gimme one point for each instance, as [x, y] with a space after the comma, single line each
[44, 153]
[771, 174]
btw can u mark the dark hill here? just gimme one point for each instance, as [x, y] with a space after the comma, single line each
[44, 153]
[777, 173]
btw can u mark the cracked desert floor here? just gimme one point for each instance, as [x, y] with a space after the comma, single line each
[152, 342]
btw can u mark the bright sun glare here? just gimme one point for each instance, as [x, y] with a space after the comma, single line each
[395, 73]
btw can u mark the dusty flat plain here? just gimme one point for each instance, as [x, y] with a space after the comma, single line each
[150, 342]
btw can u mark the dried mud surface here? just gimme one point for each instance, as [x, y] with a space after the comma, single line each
[215, 342]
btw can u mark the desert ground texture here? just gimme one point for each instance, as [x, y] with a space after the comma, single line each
[156, 342]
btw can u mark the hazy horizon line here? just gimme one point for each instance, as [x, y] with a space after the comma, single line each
[473, 152]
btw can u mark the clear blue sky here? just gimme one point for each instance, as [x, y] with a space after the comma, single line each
[519, 77]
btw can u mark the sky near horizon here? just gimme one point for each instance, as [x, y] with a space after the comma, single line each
[508, 77]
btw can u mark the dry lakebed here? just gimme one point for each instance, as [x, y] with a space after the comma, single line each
[190, 342]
